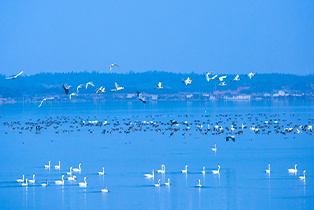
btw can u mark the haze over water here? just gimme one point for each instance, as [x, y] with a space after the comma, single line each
[126, 157]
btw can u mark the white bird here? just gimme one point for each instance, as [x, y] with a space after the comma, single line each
[236, 78]
[70, 173]
[207, 76]
[14, 77]
[83, 184]
[71, 178]
[158, 86]
[103, 171]
[185, 171]
[203, 172]
[222, 78]
[141, 97]
[100, 90]
[45, 184]
[20, 180]
[112, 65]
[60, 182]
[57, 166]
[222, 84]
[214, 149]
[72, 94]
[302, 177]
[157, 185]
[163, 169]
[167, 183]
[291, 170]
[216, 171]
[150, 175]
[78, 87]
[25, 184]
[45, 100]
[268, 170]
[199, 183]
[187, 81]
[77, 169]
[251, 74]
[89, 83]
[104, 190]
[32, 181]
[47, 166]
[214, 77]
[117, 87]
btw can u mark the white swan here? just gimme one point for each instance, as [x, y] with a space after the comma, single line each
[268, 170]
[112, 65]
[57, 166]
[185, 171]
[77, 169]
[45, 100]
[216, 171]
[20, 180]
[45, 184]
[89, 83]
[207, 76]
[103, 171]
[83, 184]
[150, 175]
[199, 183]
[163, 169]
[251, 74]
[236, 78]
[118, 87]
[214, 149]
[157, 185]
[302, 177]
[167, 183]
[47, 166]
[291, 170]
[25, 184]
[70, 173]
[203, 172]
[32, 181]
[104, 190]
[71, 178]
[60, 182]
[222, 84]
[187, 81]
[158, 86]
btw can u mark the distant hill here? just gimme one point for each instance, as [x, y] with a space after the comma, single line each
[50, 83]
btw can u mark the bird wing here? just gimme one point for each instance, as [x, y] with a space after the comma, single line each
[159, 84]
[237, 77]
[222, 78]
[19, 74]
[117, 85]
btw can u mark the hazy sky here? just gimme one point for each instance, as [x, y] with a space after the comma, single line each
[179, 36]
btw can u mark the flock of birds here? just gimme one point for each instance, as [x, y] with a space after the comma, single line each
[71, 177]
[102, 89]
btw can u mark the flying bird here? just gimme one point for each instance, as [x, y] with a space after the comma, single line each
[222, 78]
[45, 100]
[89, 83]
[187, 81]
[72, 94]
[14, 77]
[112, 65]
[230, 137]
[100, 90]
[140, 97]
[117, 87]
[236, 78]
[66, 88]
[158, 86]
[78, 87]
[222, 84]
[251, 74]
[207, 76]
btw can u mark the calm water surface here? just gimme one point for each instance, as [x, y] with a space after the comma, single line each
[241, 184]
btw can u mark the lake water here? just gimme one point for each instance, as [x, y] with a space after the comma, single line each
[241, 184]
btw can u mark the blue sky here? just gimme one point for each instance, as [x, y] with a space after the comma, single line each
[177, 36]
